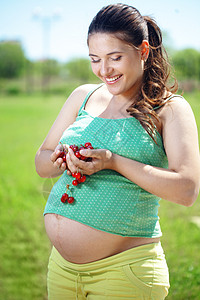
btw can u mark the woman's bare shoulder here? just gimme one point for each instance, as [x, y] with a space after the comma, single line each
[76, 98]
[177, 105]
[84, 89]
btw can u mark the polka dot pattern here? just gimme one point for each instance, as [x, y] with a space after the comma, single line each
[108, 201]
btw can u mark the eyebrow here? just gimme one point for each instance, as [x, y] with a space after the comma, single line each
[114, 52]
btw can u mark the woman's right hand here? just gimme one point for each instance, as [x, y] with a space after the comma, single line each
[56, 158]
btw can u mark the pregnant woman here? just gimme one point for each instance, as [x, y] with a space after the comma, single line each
[143, 147]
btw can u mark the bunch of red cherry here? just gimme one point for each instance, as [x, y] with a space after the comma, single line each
[78, 177]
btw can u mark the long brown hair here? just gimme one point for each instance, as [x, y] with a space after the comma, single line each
[129, 25]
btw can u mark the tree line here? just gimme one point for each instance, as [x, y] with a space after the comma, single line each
[14, 64]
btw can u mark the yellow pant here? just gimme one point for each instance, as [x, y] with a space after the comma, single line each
[138, 273]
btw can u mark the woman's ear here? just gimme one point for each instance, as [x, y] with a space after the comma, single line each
[144, 50]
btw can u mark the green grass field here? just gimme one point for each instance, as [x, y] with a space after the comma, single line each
[24, 247]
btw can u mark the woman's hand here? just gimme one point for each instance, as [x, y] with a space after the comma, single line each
[56, 158]
[101, 159]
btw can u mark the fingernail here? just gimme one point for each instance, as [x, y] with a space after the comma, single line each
[70, 150]
[83, 152]
[57, 151]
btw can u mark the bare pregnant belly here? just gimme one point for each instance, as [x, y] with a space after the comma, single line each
[79, 243]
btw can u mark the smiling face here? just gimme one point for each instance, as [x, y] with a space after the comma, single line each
[117, 63]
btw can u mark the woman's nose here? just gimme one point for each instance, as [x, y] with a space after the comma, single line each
[106, 69]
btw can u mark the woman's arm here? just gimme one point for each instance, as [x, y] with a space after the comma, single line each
[180, 182]
[47, 161]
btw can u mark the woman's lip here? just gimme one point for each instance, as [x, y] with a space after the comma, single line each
[113, 79]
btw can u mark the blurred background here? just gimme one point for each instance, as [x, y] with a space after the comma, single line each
[43, 57]
[43, 43]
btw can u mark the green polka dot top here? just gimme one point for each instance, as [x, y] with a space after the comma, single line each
[107, 200]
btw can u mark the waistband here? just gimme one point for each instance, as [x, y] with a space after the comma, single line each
[117, 260]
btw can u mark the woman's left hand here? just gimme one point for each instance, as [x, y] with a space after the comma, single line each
[101, 159]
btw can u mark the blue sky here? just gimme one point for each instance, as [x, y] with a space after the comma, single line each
[66, 36]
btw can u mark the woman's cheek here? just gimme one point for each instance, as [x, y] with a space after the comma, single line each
[94, 69]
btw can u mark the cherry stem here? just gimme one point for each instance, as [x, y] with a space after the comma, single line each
[62, 146]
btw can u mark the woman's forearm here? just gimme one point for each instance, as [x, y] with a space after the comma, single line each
[44, 166]
[170, 185]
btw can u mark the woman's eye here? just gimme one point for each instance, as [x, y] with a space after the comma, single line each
[117, 59]
[95, 60]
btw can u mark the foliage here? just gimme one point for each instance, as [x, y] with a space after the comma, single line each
[187, 64]
[47, 67]
[12, 59]
[51, 76]
[80, 69]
